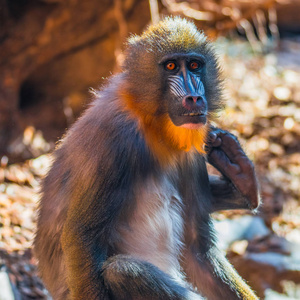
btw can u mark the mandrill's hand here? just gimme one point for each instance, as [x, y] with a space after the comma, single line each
[225, 153]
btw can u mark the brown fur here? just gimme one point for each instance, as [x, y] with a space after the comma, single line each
[125, 208]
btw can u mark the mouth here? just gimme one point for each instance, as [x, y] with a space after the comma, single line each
[193, 120]
[193, 114]
[190, 120]
[193, 117]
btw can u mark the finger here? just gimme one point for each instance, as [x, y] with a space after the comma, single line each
[213, 139]
[217, 142]
[231, 146]
[248, 187]
[222, 163]
[212, 136]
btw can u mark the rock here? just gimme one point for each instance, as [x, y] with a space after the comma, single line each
[243, 228]
[274, 262]
[5, 287]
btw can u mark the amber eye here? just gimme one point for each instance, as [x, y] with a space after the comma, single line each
[170, 66]
[194, 65]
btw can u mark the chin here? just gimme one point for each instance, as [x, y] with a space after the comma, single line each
[192, 125]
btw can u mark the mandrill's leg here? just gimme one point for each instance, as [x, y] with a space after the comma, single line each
[238, 188]
[205, 265]
[214, 276]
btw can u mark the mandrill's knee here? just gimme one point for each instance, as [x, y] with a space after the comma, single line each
[128, 278]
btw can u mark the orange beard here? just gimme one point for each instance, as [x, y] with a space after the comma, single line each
[166, 141]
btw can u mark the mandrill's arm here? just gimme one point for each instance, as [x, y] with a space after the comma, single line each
[238, 187]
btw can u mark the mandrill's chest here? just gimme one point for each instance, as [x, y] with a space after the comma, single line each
[154, 229]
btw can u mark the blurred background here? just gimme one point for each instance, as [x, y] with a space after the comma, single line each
[53, 52]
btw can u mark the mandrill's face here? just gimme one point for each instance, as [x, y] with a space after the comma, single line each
[173, 85]
[185, 92]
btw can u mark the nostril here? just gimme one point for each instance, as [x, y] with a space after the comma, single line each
[189, 99]
[199, 99]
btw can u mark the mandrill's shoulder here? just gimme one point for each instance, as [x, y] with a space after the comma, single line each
[109, 132]
[104, 118]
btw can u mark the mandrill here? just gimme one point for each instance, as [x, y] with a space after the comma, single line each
[125, 208]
